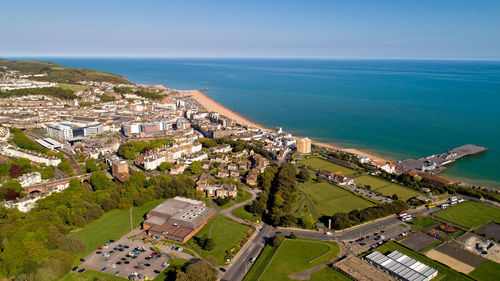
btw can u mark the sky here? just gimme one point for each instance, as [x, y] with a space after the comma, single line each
[417, 29]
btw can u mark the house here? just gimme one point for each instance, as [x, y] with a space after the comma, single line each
[337, 177]
[251, 178]
[220, 158]
[222, 174]
[178, 168]
[234, 174]
[232, 167]
[205, 164]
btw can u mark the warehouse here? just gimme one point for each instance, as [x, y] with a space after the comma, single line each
[178, 219]
[402, 266]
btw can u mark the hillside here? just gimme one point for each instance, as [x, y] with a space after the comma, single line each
[61, 74]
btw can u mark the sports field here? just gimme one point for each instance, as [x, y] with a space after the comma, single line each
[470, 214]
[488, 270]
[329, 199]
[294, 256]
[318, 163]
[386, 187]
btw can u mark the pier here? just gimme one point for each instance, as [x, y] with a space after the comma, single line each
[436, 163]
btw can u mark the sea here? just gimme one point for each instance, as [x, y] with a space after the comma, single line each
[395, 108]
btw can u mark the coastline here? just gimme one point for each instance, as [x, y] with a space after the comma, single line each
[212, 105]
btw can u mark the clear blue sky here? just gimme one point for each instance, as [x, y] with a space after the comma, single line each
[468, 29]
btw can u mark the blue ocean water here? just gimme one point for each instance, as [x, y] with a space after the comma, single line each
[396, 108]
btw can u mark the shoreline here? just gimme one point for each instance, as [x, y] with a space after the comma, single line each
[212, 105]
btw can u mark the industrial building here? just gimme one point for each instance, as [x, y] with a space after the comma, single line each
[178, 219]
[402, 266]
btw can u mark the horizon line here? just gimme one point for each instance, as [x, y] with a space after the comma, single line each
[244, 57]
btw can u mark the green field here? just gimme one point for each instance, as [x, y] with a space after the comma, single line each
[329, 199]
[90, 275]
[260, 265]
[112, 225]
[321, 164]
[488, 270]
[445, 273]
[470, 214]
[386, 188]
[294, 256]
[422, 223]
[244, 214]
[226, 235]
[329, 273]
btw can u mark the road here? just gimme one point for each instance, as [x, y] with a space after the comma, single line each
[240, 268]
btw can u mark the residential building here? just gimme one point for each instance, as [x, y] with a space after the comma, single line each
[304, 145]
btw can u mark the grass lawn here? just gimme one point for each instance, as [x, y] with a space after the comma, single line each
[329, 273]
[244, 214]
[226, 235]
[422, 223]
[260, 264]
[386, 187]
[167, 274]
[138, 213]
[90, 275]
[445, 273]
[470, 214]
[294, 256]
[330, 199]
[318, 163]
[112, 225]
[488, 270]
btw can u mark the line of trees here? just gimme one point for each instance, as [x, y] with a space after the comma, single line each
[282, 195]
[354, 217]
[56, 92]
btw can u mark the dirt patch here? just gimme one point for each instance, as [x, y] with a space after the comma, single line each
[418, 241]
[361, 270]
[491, 230]
[449, 261]
[456, 250]
[485, 248]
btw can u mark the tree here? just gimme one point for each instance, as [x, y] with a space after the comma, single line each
[15, 170]
[307, 221]
[276, 240]
[199, 271]
[303, 175]
[91, 166]
[222, 201]
[99, 181]
[165, 166]
[66, 167]
[395, 197]
[195, 167]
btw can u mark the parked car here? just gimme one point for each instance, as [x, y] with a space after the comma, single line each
[81, 270]
[117, 272]
[74, 268]
[222, 269]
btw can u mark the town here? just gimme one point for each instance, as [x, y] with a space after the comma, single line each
[142, 182]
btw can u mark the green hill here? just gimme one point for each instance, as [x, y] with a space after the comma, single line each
[61, 74]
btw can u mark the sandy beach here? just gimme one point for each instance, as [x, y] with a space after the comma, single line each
[212, 105]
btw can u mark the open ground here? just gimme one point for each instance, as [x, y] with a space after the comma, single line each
[385, 187]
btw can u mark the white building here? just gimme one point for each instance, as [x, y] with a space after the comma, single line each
[8, 150]
[30, 179]
[152, 162]
[59, 131]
